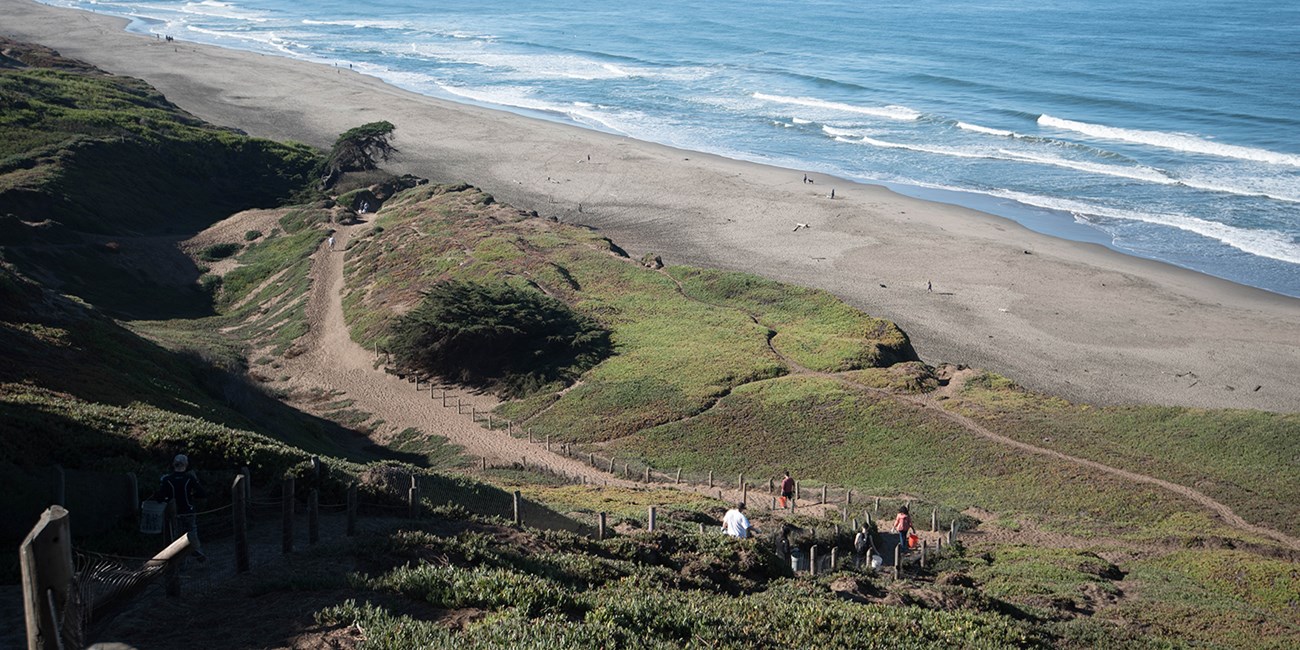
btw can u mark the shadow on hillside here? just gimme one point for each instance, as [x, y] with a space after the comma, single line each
[132, 278]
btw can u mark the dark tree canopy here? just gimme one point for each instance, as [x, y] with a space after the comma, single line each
[360, 149]
[508, 338]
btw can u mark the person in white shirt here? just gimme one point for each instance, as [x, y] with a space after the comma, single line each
[735, 523]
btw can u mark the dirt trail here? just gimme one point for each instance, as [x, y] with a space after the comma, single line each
[931, 402]
[332, 361]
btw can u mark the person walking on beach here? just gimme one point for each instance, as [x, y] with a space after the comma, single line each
[735, 523]
[929, 286]
[902, 526]
[182, 486]
[787, 490]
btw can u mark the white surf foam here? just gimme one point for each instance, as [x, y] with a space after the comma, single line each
[215, 9]
[1280, 191]
[967, 126]
[800, 120]
[522, 97]
[1174, 141]
[1138, 173]
[1263, 243]
[265, 39]
[840, 133]
[938, 151]
[889, 112]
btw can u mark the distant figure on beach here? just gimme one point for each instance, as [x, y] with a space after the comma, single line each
[787, 490]
[805, 178]
[832, 192]
[331, 242]
[929, 286]
[182, 486]
[902, 525]
[735, 523]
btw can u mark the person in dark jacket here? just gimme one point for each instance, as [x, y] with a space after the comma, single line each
[183, 486]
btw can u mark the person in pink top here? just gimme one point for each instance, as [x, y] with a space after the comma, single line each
[902, 525]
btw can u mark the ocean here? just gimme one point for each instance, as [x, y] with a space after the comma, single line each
[1163, 129]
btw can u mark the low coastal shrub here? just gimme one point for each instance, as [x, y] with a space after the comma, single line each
[218, 251]
[512, 339]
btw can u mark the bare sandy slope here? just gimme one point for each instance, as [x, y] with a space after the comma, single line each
[1072, 319]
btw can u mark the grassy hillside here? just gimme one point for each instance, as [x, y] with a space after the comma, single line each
[470, 582]
[100, 176]
[730, 372]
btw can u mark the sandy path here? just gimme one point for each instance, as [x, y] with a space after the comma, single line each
[332, 361]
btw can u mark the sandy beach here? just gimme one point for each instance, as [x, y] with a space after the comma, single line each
[1076, 320]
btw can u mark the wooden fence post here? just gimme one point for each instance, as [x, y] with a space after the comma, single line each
[626, 473]
[548, 442]
[925, 550]
[740, 481]
[823, 494]
[483, 463]
[444, 398]
[239, 519]
[771, 485]
[710, 478]
[286, 516]
[678, 479]
[848, 497]
[591, 459]
[47, 572]
[248, 482]
[611, 464]
[413, 499]
[313, 516]
[650, 520]
[835, 556]
[952, 532]
[352, 509]
[877, 507]
[774, 503]
[647, 474]
[934, 520]
[516, 518]
[812, 560]
[600, 526]
[797, 486]
[898, 560]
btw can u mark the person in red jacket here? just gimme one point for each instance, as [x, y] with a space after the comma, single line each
[902, 525]
[183, 486]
